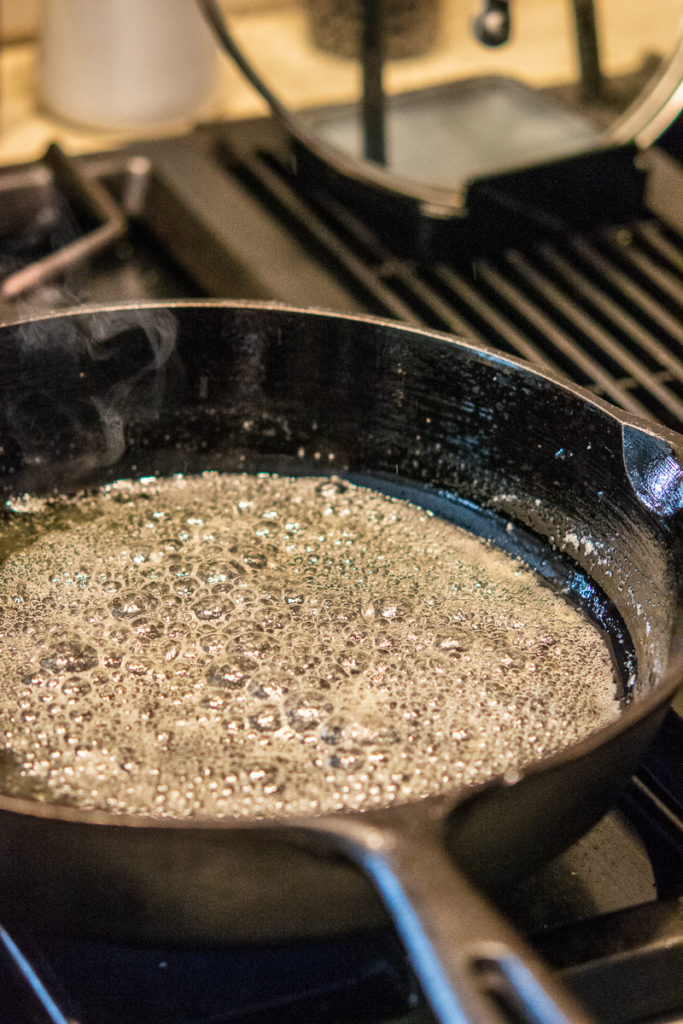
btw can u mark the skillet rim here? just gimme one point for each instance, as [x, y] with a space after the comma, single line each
[440, 804]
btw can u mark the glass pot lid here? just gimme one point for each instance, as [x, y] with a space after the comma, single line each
[424, 96]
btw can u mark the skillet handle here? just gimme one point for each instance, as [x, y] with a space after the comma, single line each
[472, 965]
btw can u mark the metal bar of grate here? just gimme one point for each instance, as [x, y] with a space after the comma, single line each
[440, 312]
[631, 365]
[651, 233]
[599, 307]
[516, 341]
[326, 238]
[601, 379]
[601, 302]
[658, 276]
[111, 225]
[632, 291]
[354, 227]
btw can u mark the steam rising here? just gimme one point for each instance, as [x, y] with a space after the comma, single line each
[81, 383]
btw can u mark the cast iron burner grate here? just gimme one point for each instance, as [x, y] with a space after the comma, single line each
[603, 305]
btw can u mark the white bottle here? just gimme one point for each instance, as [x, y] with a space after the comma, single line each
[125, 64]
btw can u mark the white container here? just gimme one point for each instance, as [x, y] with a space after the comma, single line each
[125, 64]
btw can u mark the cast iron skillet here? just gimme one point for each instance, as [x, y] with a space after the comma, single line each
[588, 495]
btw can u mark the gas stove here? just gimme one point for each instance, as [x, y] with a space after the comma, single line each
[576, 266]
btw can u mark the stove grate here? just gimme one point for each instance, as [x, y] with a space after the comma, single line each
[603, 306]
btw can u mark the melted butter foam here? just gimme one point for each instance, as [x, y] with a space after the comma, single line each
[263, 646]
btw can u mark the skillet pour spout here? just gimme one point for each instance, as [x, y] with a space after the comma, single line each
[589, 497]
[654, 471]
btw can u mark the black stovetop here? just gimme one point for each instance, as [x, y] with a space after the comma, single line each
[595, 293]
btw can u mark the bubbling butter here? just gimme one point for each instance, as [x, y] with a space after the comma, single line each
[263, 646]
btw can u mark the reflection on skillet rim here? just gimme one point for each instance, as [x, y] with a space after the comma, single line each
[437, 806]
